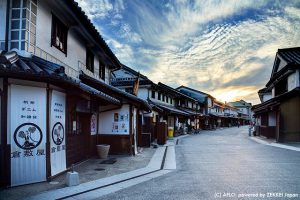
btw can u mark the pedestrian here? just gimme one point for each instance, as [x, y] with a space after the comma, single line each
[238, 124]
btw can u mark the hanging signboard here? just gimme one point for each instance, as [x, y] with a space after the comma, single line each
[93, 124]
[27, 128]
[57, 132]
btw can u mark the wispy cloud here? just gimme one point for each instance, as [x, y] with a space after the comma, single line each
[223, 47]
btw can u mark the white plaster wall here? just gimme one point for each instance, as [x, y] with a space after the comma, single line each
[272, 119]
[273, 92]
[106, 120]
[209, 102]
[2, 19]
[123, 74]
[76, 50]
[282, 64]
[292, 81]
[143, 93]
[267, 97]
[107, 75]
[298, 78]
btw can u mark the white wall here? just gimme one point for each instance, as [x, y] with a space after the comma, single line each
[161, 99]
[143, 93]
[291, 81]
[76, 50]
[272, 119]
[2, 19]
[189, 104]
[282, 64]
[209, 102]
[106, 121]
[266, 97]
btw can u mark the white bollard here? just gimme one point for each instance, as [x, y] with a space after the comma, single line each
[72, 179]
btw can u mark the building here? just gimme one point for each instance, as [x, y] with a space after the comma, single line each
[244, 111]
[56, 99]
[177, 110]
[278, 114]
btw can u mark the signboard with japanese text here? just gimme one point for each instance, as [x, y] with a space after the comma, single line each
[27, 125]
[93, 124]
[57, 132]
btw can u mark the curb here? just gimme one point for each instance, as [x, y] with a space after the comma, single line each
[273, 144]
[155, 168]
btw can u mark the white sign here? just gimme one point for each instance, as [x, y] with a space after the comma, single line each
[93, 124]
[57, 132]
[27, 125]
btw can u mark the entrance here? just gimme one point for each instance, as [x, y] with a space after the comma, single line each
[78, 141]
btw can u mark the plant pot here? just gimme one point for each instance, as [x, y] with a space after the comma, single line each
[102, 150]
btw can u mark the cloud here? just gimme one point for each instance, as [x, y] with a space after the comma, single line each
[216, 46]
[99, 8]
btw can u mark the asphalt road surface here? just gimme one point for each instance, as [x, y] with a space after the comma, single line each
[223, 164]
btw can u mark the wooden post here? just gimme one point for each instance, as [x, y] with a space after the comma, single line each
[130, 130]
[48, 134]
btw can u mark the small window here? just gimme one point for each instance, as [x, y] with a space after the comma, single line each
[102, 70]
[167, 99]
[171, 101]
[163, 97]
[158, 96]
[59, 35]
[90, 60]
[153, 94]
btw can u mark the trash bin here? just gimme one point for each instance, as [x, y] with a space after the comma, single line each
[102, 150]
[170, 132]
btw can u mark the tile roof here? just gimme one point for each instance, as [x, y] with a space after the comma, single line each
[113, 91]
[290, 55]
[35, 68]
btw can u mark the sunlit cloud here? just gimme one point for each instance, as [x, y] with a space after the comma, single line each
[226, 48]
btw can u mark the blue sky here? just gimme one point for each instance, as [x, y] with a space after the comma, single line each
[222, 47]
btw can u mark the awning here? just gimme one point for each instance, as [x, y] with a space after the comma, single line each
[191, 112]
[170, 109]
[98, 93]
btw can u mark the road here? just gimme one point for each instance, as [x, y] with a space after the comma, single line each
[223, 164]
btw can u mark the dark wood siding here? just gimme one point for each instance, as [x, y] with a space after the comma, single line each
[119, 144]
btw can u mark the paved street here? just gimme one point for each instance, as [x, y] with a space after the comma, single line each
[223, 161]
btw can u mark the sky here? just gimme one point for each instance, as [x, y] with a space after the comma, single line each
[222, 47]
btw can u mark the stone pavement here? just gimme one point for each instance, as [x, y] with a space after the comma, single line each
[222, 164]
[89, 170]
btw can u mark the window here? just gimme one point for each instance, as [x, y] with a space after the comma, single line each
[163, 97]
[90, 60]
[167, 99]
[102, 70]
[153, 94]
[171, 101]
[59, 34]
[158, 96]
[22, 34]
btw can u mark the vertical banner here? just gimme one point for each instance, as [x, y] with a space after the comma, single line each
[134, 115]
[93, 124]
[27, 128]
[57, 132]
